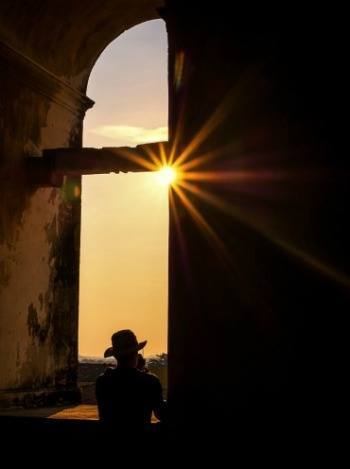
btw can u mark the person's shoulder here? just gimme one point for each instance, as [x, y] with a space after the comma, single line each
[106, 375]
[150, 378]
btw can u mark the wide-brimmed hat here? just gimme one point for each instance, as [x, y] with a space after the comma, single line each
[123, 343]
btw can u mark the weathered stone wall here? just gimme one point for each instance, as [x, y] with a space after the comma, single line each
[39, 237]
[47, 51]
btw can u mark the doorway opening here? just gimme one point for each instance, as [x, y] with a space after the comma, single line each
[124, 224]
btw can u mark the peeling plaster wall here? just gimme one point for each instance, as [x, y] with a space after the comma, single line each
[32, 317]
[39, 246]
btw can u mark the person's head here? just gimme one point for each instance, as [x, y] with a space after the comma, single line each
[125, 348]
[129, 360]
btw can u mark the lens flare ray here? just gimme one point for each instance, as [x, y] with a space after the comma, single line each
[201, 222]
[132, 156]
[305, 257]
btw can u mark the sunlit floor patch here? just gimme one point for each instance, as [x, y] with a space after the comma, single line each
[73, 412]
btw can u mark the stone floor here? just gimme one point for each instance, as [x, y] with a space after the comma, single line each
[74, 412]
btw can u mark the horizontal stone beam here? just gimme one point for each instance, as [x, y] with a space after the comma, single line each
[50, 169]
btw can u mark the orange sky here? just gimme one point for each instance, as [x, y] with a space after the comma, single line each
[124, 237]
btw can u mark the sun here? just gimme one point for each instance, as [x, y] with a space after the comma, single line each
[166, 175]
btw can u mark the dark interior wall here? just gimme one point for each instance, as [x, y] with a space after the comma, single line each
[47, 51]
[252, 320]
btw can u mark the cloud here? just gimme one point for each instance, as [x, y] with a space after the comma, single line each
[130, 135]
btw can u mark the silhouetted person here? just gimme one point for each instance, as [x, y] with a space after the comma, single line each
[141, 363]
[125, 395]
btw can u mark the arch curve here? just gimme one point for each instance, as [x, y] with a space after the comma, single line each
[68, 36]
